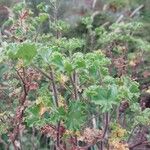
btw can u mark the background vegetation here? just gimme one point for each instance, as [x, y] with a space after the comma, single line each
[74, 75]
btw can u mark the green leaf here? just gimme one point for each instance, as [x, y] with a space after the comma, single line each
[73, 44]
[27, 51]
[134, 88]
[45, 53]
[68, 66]
[128, 89]
[103, 96]
[108, 79]
[57, 114]
[57, 59]
[3, 69]
[43, 17]
[78, 60]
[76, 115]
[32, 115]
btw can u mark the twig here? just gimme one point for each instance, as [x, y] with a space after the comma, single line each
[74, 84]
[42, 72]
[120, 18]
[56, 102]
[136, 10]
[58, 134]
[32, 139]
[20, 112]
[132, 132]
[4, 143]
[137, 144]
[53, 86]
[106, 117]
[131, 15]
[94, 4]
[25, 88]
[105, 24]
[89, 145]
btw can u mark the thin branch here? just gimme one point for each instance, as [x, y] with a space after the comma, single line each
[58, 134]
[131, 15]
[4, 143]
[25, 89]
[54, 86]
[106, 117]
[136, 144]
[42, 72]
[56, 102]
[33, 139]
[89, 145]
[105, 24]
[20, 112]
[120, 18]
[132, 132]
[22, 80]
[136, 10]
[94, 4]
[74, 84]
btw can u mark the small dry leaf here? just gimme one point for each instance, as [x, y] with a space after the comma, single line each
[17, 143]
[117, 145]
[19, 64]
[148, 91]
[33, 86]
[90, 135]
[146, 74]
[63, 79]
[51, 131]
[43, 109]
[132, 63]
[62, 102]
